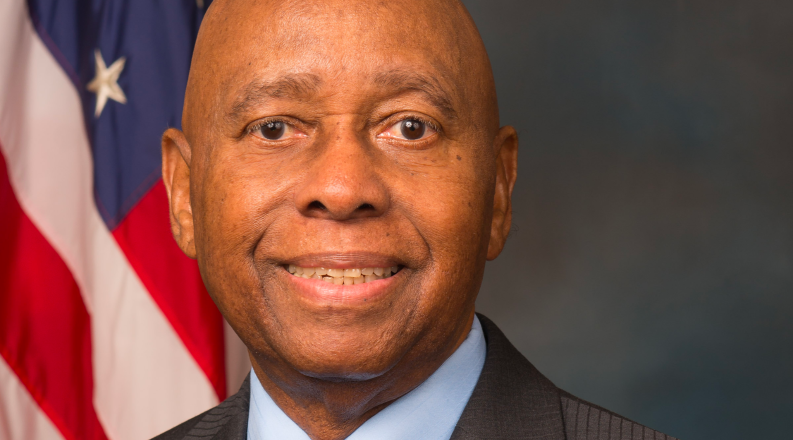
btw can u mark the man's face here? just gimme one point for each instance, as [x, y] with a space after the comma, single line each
[338, 139]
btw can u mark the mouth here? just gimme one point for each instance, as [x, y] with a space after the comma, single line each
[346, 277]
[337, 279]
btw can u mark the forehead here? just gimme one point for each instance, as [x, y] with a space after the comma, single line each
[355, 24]
[311, 45]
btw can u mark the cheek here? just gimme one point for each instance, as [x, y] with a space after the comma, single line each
[451, 211]
[242, 191]
[237, 205]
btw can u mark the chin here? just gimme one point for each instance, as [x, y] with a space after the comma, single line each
[345, 357]
[345, 368]
[341, 376]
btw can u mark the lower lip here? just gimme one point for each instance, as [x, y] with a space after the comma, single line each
[319, 290]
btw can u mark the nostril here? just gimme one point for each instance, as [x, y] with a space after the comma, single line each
[366, 207]
[316, 204]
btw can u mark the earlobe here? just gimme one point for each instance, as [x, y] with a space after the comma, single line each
[176, 156]
[506, 147]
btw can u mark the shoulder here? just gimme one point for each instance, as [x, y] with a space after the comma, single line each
[514, 400]
[585, 421]
[227, 421]
[180, 431]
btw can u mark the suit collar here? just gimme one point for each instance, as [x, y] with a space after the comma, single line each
[512, 400]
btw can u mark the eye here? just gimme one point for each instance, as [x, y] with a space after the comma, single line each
[275, 130]
[410, 129]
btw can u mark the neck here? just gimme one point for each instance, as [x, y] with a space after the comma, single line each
[329, 409]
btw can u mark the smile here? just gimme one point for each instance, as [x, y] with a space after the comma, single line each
[343, 276]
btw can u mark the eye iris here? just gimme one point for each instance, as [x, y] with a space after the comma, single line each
[412, 129]
[273, 130]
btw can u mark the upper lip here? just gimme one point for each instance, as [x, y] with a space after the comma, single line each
[345, 260]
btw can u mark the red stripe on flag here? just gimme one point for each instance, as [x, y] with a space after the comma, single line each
[45, 333]
[174, 283]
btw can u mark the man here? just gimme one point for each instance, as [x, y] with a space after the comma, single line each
[341, 180]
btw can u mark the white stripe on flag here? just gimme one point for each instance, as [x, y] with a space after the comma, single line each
[238, 364]
[21, 418]
[145, 380]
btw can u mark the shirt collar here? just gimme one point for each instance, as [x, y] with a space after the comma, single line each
[428, 412]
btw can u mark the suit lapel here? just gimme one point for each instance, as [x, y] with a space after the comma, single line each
[227, 421]
[512, 400]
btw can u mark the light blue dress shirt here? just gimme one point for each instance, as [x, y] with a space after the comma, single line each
[429, 412]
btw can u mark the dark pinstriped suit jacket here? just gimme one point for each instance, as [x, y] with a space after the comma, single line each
[512, 400]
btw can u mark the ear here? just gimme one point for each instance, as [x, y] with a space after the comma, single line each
[176, 154]
[506, 147]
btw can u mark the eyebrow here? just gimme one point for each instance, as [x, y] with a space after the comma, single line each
[298, 86]
[405, 81]
[302, 86]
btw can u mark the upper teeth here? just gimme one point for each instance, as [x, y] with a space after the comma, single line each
[343, 276]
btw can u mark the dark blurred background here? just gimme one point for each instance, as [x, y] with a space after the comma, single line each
[650, 266]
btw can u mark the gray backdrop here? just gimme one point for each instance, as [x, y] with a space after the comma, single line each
[650, 267]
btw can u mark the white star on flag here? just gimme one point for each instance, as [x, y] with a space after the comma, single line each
[105, 83]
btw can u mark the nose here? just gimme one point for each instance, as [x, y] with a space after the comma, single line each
[343, 182]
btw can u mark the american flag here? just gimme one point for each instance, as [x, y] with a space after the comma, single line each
[106, 330]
